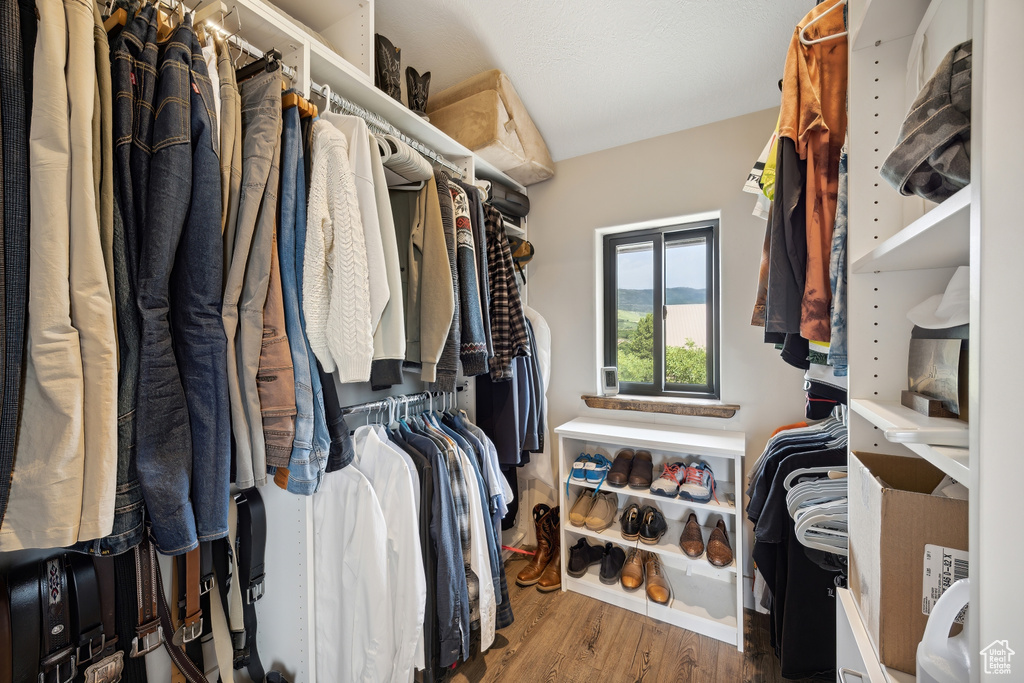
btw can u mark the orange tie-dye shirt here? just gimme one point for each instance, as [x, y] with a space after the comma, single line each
[814, 116]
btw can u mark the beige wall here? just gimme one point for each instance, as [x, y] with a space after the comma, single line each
[690, 172]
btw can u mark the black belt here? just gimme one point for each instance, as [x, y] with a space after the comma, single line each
[57, 662]
[252, 540]
[6, 649]
[87, 617]
[24, 589]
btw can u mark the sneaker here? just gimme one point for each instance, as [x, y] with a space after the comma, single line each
[668, 483]
[597, 469]
[698, 483]
[579, 471]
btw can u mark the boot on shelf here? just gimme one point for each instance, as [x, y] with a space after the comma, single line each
[551, 578]
[531, 573]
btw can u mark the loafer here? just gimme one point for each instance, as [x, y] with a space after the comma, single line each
[602, 512]
[611, 563]
[580, 509]
[630, 522]
[618, 475]
[582, 556]
[719, 550]
[642, 472]
[632, 576]
[691, 541]
[658, 588]
[652, 525]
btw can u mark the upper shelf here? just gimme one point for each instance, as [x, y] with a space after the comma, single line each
[884, 20]
[938, 239]
[658, 437]
[903, 425]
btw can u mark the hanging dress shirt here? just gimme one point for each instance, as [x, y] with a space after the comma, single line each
[407, 591]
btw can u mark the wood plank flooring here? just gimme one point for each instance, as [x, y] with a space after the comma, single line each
[571, 638]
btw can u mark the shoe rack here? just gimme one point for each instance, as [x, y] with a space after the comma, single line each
[705, 599]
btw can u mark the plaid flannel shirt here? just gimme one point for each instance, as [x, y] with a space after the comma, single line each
[508, 321]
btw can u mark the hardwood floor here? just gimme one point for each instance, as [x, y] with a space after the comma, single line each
[570, 638]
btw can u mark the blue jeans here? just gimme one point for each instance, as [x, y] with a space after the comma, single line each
[183, 430]
[305, 466]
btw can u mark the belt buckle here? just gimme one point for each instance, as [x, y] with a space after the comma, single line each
[107, 670]
[206, 584]
[188, 632]
[56, 674]
[150, 641]
[93, 649]
[255, 590]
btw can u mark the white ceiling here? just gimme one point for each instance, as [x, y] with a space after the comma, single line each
[596, 74]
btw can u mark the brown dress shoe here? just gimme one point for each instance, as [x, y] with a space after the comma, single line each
[633, 570]
[618, 475]
[642, 473]
[658, 589]
[719, 550]
[530, 574]
[691, 540]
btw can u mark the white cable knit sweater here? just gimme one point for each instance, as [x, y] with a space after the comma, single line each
[336, 281]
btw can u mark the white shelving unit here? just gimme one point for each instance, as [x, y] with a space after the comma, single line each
[705, 599]
[938, 239]
[856, 656]
[895, 264]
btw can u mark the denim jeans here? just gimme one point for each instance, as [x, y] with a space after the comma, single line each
[245, 289]
[837, 350]
[14, 239]
[126, 75]
[183, 437]
[305, 466]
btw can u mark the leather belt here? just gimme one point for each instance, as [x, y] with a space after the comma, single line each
[252, 539]
[104, 567]
[185, 665]
[86, 618]
[24, 588]
[57, 664]
[192, 626]
[6, 647]
[149, 633]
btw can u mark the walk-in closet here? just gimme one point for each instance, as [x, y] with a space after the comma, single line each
[439, 341]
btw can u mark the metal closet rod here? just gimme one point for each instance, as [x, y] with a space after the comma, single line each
[396, 401]
[383, 127]
[247, 47]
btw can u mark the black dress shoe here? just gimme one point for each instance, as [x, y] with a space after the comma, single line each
[582, 556]
[652, 525]
[630, 522]
[611, 564]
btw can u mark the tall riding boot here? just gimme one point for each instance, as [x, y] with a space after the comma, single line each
[551, 578]
[530, 574]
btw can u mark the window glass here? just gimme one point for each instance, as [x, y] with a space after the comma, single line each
[634, 298]
[686, 311]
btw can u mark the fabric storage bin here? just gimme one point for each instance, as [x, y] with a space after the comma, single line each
[485, 114]
[893, 516]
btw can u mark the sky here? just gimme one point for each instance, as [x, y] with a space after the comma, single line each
[685, 266]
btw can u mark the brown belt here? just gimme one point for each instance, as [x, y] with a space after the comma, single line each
[149, 635]
[6, 648]
[192, 627]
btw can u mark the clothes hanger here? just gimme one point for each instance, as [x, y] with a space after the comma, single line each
[270, 61]
[118, 18]
[803, 32]
[788, 483]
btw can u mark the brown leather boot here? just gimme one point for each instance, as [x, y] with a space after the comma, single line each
[530, 574]
[551, 577]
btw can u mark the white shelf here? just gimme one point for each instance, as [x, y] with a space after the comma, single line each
[697, 601]
[900, 424]
[667, 547]
[938, 239]
[867, 661]
[687, 440]
[951, 460]
[884, 20]
[725, 490]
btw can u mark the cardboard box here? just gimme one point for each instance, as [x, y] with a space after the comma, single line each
[889, 528]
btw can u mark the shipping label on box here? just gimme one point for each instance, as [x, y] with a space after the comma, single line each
[942, 568]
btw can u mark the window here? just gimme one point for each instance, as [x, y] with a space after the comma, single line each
[661, 310]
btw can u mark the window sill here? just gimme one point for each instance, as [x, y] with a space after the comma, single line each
[694, 407]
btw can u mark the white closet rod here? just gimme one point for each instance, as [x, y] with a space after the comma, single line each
[381, 126]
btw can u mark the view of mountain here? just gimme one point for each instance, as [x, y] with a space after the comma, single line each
[642, 300]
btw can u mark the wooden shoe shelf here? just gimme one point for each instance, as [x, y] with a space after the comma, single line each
[705, 599]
